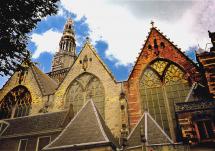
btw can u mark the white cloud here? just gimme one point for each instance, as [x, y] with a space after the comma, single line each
[125, 31]
[112, 23]
[46, 42]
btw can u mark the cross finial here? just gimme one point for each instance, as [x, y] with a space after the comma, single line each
[152, 23]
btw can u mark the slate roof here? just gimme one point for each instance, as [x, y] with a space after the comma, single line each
[46, 84]
[30, 125]
[87, 129]
[153, 132]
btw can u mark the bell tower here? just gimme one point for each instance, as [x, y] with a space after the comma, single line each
[66, 54]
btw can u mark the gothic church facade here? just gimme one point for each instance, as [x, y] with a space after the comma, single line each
[79, 105]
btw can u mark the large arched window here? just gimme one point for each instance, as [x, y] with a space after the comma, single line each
[16, 103]
[163, 81]
[85, 87]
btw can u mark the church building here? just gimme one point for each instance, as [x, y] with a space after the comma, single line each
[166, 104]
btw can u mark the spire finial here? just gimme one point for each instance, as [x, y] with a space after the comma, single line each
[152, 23]
[87, 39]
[69, 24]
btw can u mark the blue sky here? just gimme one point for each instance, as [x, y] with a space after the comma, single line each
[82, 31]
[117, 29]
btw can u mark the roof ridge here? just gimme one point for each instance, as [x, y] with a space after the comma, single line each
[98, 120]
[146, 120]
[158, 126]
[29, 116]
[39, 76]
[77, 114]
[136, 125]
[81, 128]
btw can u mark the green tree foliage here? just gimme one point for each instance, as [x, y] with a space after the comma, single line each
[17, 19]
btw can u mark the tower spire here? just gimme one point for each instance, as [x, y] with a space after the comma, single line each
[66, 54]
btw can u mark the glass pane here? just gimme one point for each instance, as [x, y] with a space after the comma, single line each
[16, 100]
[174, 75]
[159, 66]
[152, 96]
[84, 88]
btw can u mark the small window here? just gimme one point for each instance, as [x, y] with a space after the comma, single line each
[155, 44]
[149, 47]
[162, 45]
[42, 142]
[23, 144]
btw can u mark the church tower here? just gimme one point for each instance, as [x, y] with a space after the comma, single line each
[66, 55]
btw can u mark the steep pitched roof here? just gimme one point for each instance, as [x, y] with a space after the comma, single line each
[154, 29]
[46, 84]
[152, 131]
[30, 125]
[87, 129]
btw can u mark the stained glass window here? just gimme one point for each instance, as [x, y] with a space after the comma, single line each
[162, 81]
[159, 66]
[152, 97]
[84, 88]
[176, 86]
[16, 103]
[174, 75]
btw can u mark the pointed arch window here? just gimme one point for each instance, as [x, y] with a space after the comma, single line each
[16, 103]
[163, 81]
[84, 88]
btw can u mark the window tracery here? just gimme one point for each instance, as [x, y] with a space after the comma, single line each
[16, 103]
[152, 97]
[174, 74]
[84, 88]
[162, 81]
[159, 66]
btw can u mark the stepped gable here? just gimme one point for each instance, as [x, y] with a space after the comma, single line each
[150, 129]
[87, 129]
[30, 125]
[46, 84]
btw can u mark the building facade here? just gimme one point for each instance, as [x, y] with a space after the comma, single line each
[167, 101]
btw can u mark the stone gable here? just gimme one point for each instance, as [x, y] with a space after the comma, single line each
[88, 61]
[30, 83]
